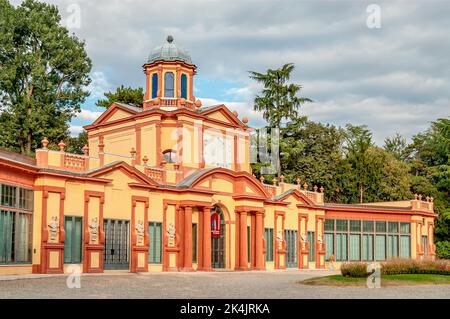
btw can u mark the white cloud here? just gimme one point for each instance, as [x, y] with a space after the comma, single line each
[393, 78]
[88, 115]
[75, 130]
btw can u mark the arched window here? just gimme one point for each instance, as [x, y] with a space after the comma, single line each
[168, 84]
[170, 156]
[154, 85]
[184, 86]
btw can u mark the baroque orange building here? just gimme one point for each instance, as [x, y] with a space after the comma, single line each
[169, 187]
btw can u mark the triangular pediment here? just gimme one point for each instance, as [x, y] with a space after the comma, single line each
[116, 111]
[223, 114]
[132, 174]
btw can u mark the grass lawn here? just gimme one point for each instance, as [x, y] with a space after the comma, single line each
[386, 280]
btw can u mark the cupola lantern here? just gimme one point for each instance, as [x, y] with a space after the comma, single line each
[169, 77]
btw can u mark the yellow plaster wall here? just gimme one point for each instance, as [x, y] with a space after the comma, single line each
[120, 144]
[74, 201]
[148, 144]
[221, 185]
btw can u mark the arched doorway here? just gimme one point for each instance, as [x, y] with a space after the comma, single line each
[217, 238]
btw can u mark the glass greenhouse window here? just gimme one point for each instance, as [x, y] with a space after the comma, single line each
[405, 246]
[355, 225]
[329, 225]
[341, 247]
[392, 246]
[381, 226]
[355, 247]
[15, 237]
[341, 225]
[367, 247]
[393, 227]
[380, 247]
[368, 226]
[8, 196]
[405, 228]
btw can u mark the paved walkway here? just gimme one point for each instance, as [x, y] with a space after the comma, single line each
[270, 284]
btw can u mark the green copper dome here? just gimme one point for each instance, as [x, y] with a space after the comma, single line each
[169, 51]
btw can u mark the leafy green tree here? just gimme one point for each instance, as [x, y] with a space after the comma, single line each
[43, 78]
[397, 146]
[357, 141]
[312, 152]
[430, 166]
[279, 99]
[75, 144]
[123, 94]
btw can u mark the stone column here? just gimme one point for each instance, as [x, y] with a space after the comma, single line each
[243, 262]
[259, 242]
[188, 239]
[206, 238]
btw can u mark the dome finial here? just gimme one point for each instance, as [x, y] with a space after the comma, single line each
[169, 38]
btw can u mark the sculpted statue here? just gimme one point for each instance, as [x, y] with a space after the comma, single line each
[304, 240]
[280, 240]
[319, 240]
[140, 231]
[93, 229]
[53, 226]
[171, 234]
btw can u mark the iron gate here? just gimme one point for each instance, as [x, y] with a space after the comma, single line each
[291, 248]
[117, 243]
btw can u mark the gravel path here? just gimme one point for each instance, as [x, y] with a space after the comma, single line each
[270, 284]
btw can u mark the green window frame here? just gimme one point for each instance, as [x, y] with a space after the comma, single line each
[155, 243]
[73, 227]
[268, 236]
[194, 242]
[312, 251]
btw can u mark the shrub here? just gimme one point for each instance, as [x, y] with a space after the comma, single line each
[443, 249]
[399, 266]
[354, 269]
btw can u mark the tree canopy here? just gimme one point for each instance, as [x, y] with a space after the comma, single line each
[43, 78]
[123, 94]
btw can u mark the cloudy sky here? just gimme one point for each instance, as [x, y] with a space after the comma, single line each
[395, 78]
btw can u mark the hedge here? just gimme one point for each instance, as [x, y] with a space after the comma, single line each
[399, 266]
